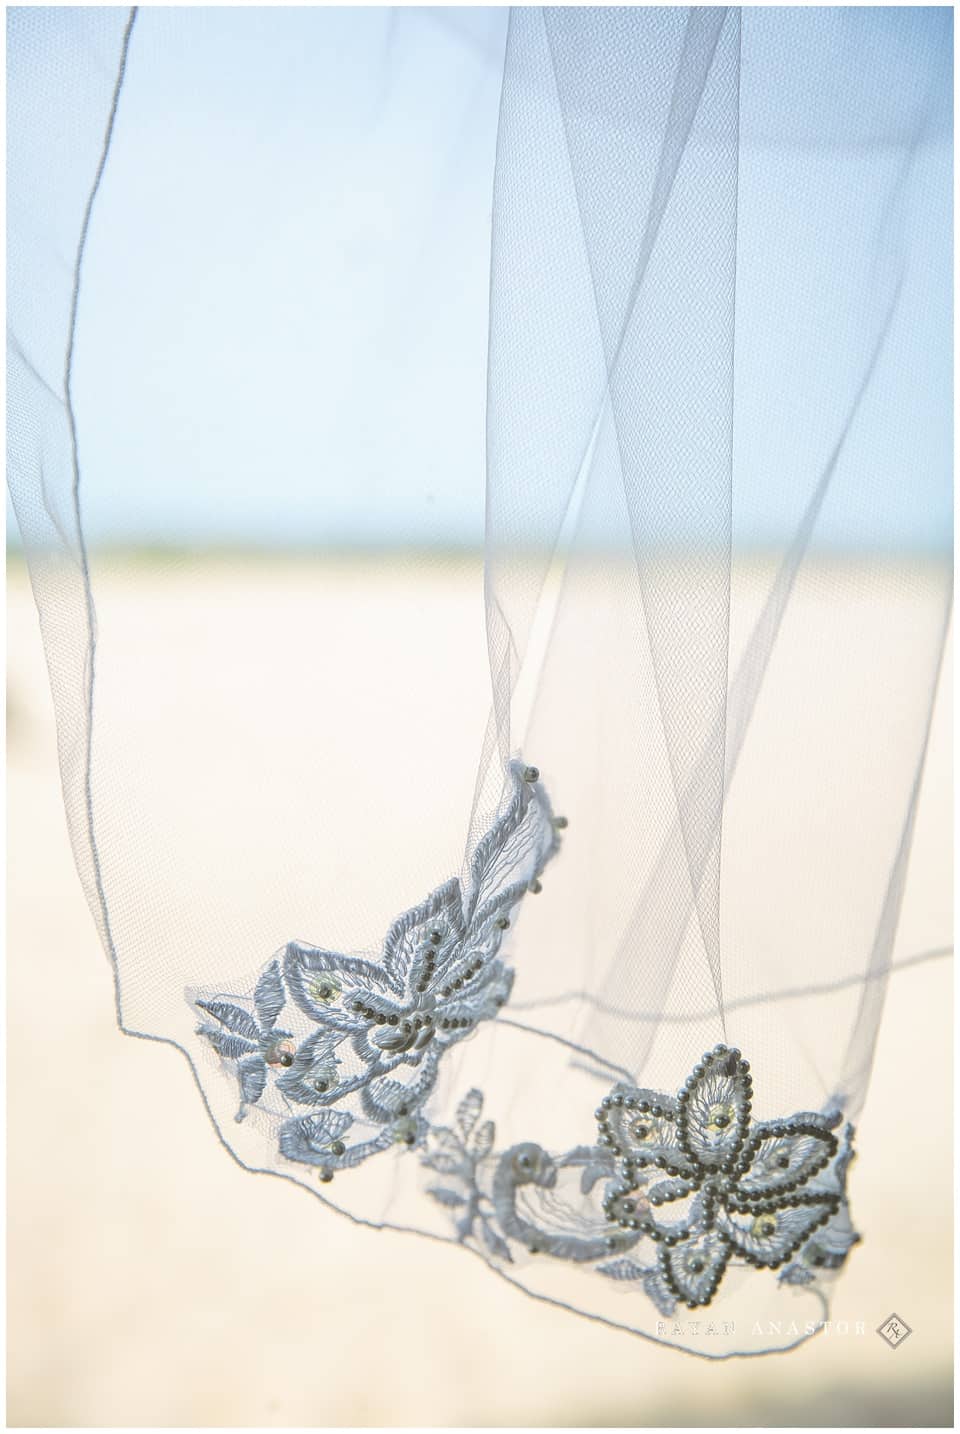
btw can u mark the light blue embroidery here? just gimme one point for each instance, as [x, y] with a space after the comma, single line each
[739, 1191]
[440, 971]
[375, 1030]
[457, 1155]
[251, 1042]
[691, 1178]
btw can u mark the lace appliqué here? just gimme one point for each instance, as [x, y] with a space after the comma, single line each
[341, 1053]
[366, 1037]
[690, 1178]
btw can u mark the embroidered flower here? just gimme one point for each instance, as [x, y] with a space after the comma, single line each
[252, 1042]
[440, 971]
[741, 1188]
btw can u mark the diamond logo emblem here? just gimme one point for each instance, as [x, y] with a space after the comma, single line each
[894, 1330]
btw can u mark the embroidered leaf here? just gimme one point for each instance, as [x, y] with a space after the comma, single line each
[622, 1270]
[385, 1099]
[436, 923]
[717, 1108]
[693, 1269]
[253, 1078]
[446, 1141]
[772, 1236]
[233, 1018]
[307, 1138]
[468, 1112]
[231, 1047]
[328, 986]
[269, 996]
[642, 1125]
[516, 848]
[487, 993]
[313, 1076]
[782, 1158]
[483, 1138]
[485, 931]
[445, 1197]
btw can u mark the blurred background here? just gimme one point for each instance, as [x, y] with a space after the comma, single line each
[153, 1282]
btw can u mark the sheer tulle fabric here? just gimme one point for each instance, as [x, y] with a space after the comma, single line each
[703, 352]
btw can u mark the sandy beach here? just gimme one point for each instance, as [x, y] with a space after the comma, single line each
[154, 1282]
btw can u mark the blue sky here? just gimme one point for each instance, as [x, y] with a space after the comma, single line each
[282, 330]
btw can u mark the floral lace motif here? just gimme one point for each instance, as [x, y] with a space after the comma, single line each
[342, 1053]
[366, 1036]
[738, 1191]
